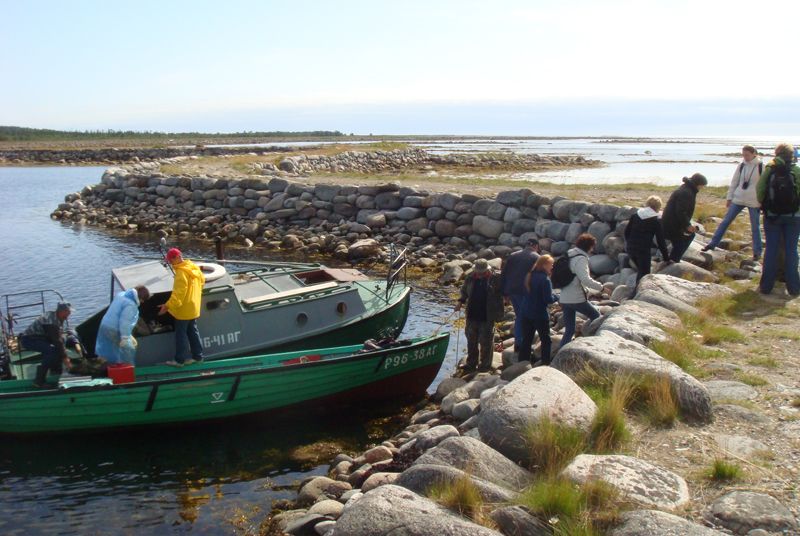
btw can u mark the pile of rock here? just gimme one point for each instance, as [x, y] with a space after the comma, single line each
[476, 431]
[400, 159]
[113, 155]
[331, 218]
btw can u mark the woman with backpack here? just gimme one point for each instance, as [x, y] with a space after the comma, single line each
[534, 314]
[573, 297]
[642, 227]
[779, 194]
[741, 195]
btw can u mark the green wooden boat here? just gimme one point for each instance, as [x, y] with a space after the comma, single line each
[220, 390]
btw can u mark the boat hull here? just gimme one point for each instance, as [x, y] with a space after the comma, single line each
[226, 389]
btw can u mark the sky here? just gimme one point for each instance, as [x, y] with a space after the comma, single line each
[498, 67]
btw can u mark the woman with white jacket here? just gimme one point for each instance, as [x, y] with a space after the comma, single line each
[741, 195]
[573, 298]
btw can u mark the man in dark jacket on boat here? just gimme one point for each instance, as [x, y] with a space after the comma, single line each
[49, 336]
[513, 274]
[483, 295]
[677, 218]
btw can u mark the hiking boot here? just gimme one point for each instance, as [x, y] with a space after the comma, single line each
[189, 361]
[173, 363]
[708, 247]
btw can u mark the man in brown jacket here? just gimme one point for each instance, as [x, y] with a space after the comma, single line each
[482, 293]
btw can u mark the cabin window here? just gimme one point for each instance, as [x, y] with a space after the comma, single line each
[341, 308]
[302, 319]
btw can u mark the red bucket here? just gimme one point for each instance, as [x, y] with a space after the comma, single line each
[121, 373]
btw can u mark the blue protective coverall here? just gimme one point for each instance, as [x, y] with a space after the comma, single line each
[115, 341]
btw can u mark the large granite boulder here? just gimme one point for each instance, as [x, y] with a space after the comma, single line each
[687, 270]
[743, 511]
[487, 227]
[640, 321]
[685, 291]
[656, 297]
[421, 478]
[479, 459]
[637, 480]
[655, 523]
[516, 521]
[609, 353]
[539, 393]
[398, 511]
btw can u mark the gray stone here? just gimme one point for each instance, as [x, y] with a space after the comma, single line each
[517, 369]
[513, 198]
[602, 264]
[599, 230]
[640, 322]
[454, 397]
[446, 386]
[388, 201]
[466, 409]
[611, 354]
[743, 511]
[409, 213]
[721, 390]
[396, 511]
[304, 526]
[323, 527]
[496, 211]
[516, 521]
[420, 478]
[379, 479]
[636, 479]
[487, 227]
[453, 271]
[541, 392]
[680, 289]
[430, 438]
[557, 230]
[512, 214]
[522, 226]
[657, 297]
[741, 446]
[573, 232]
[321, 486]
[479, 459]
[481, 206]
[364, 249]
[738, 414]
[327, 507]
[686, 270]
[656, 523]
[326, 192]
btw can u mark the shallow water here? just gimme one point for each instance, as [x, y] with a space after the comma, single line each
[202, 479]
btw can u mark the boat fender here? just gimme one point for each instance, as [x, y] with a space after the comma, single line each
[212, 271]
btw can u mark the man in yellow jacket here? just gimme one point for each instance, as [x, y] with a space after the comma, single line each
[184, 306]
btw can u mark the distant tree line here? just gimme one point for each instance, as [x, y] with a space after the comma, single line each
[42, 134]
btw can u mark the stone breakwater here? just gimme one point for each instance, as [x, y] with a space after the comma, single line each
[381, 161]
[124, 155]
[473, 429]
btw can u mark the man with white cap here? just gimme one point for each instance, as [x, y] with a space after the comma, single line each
[482, 293]
[49, 336]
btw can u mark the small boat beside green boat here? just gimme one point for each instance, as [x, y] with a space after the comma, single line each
[227, 388]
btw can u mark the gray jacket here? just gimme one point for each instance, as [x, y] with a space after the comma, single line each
[575, 292]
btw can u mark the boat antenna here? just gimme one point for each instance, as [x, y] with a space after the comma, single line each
[162, 246]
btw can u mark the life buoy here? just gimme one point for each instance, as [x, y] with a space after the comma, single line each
[211, 270]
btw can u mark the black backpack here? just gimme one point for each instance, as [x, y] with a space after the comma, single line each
[781, 196]
[562, 274]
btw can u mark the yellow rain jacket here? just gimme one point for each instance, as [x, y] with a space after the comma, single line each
[184, 302]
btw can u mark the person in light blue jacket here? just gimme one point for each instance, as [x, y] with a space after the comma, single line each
[115, 341]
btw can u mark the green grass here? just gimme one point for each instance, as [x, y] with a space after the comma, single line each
[779, 334]
[552, 445]
[460, 495]
[766, 362]
[750, 379]
[609, 431]
[724, 471]
[573, 510]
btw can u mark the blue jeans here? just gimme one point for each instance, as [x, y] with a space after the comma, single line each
[679, 247]
[516, 303]
[187, 337]
[569, 309]
[789, 227]
[755, 230]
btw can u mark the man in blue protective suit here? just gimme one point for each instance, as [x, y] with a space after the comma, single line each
[115, 341]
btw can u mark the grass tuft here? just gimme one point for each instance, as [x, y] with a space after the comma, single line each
[553, 445]
[766, 362]
[462, 496]
[661, 408]
[751, 379]
[609, 430]
[724, 471]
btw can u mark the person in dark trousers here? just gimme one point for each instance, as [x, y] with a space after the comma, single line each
[49, 336]
[515, 270]
[677, 218]
[184, 306]
[574, 298]
[781, 230]
[534, 313]
[483, 296]
[642, 227]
